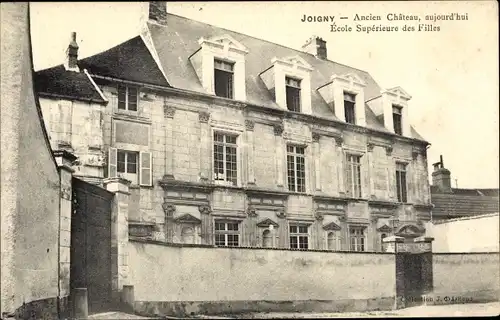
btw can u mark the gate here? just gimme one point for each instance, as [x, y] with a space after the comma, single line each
[91, 243]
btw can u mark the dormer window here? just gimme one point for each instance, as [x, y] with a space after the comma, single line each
[128, 98]
[349, 107]
[292, 94]
[396, 119]
[224, 78]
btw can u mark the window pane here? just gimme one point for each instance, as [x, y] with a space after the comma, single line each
[220, 226]
[220, 240]
[349, 97]
[293, 99]
[232, 240]
[132, 99]
[403, 187]
[302, 229]
[349, 112]
[223, 84]
[131, 162]
[293, 229]
[291, 172]
[303, 242]
[293, 242]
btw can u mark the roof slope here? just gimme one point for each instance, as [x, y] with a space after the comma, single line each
[176, 42]
[66, 84]
[130, 60]
[464, 202]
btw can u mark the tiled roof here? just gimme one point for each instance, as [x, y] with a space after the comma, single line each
[176, 42]
[130, 60]
[66, 84]
[464, 202]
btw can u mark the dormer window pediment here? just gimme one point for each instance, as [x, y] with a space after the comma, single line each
[216, 53]
[392, 105]
[289, 79]
[345, 95]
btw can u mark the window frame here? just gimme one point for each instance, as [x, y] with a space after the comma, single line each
[227, 233]
[229, 74]
[401, 186]
[356, 236]
[302, 188]
[349, 105]
[296, 89]
[354, 183]
[224, 144]
[397, 112]
[127, 98]
[298, 236]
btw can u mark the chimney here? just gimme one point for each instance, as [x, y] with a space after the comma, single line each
[71, 62]
[316, 46]
[441, 177]
[158, 12]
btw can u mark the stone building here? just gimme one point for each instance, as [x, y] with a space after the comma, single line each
[230, 140]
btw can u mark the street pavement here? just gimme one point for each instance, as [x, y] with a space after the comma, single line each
[454, 310]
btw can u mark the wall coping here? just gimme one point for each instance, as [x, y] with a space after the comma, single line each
[208, 246]
[465, 253]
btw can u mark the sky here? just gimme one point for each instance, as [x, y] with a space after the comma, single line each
[451, 74]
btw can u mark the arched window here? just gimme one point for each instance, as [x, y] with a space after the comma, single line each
[187, 235]
[267, 239]
[332, 240]
[382, 236]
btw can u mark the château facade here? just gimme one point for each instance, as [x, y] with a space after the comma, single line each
[229, 140]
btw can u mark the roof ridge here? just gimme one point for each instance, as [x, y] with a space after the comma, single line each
[268, 41]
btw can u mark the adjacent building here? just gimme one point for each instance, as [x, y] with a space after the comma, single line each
[229, 140]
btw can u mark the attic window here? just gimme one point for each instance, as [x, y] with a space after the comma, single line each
[292, 94]
[396, 119]
[349, 107]
[224, 79]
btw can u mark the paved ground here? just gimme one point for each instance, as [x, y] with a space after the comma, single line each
[456, 310]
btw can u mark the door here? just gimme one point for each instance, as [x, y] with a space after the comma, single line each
[90, 265]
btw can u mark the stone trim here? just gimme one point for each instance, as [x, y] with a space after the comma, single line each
[168, 111]
[251, 212]
[249, 125]
[278, 129]
[205, 209]
[204, 116]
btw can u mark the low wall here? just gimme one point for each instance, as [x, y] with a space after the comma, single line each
[466, 278]
[175, 280]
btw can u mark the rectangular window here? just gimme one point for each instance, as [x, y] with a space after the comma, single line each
[353, 173]
[396, 119]
[292, 94]
[126, 162]
[131, 165]
[224, 78]
[227, 234]
[357, 238]
[401, 182]
[349, 104]
[299, 237]
[128, 98]
[225, 158]
[296, 169]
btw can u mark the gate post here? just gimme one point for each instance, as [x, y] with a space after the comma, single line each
[64, 160]
[391, 245]
[427, 273]
[119, 233]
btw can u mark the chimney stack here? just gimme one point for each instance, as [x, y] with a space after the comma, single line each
[441, 177]
[71, 62]
[316, 46]
[157, 12]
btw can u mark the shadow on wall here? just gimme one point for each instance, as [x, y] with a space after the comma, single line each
[30, 181]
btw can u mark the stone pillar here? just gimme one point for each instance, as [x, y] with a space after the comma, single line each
[249, 125]
[340, 165]
[319, 239]
[169, 113]
[278, 131]
[427, 273]
[205, 147]
[283, 241]
[391, 245]
[317, 162]
[206, 224]
[64, 161]
[169, 210]
[119, 233]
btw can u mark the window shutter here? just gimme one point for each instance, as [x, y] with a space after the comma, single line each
[145, 169]
[112, 158]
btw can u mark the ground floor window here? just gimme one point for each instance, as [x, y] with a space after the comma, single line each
[333, 240]
[299, 237]
[227, 234]
[357, 238]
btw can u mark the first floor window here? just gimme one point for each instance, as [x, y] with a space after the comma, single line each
[357, 238]
[227, 234]
[299, 237]
[353, 172]
[401, 182]
[296, 168]
[349, 105]
[128, 98]
[225, 158]
[132, 165]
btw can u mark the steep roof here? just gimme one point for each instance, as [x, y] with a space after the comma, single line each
[130, 60]
[464, 202]
[59, 82]
[176, 42]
